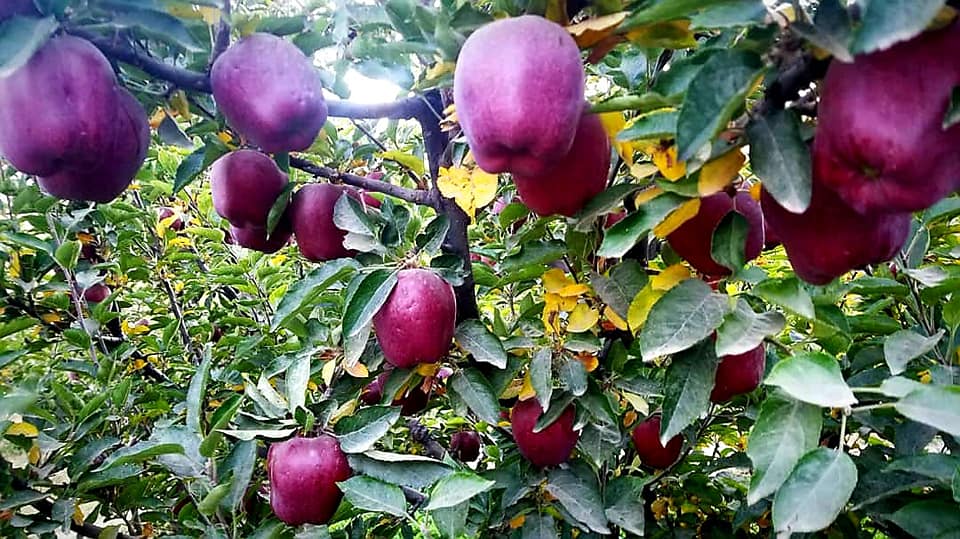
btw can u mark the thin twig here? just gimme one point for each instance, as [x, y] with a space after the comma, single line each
[403, 193]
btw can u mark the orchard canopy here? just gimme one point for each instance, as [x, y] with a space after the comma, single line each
[479, 268]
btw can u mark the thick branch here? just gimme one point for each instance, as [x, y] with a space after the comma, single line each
[403, 109]
[410, 195]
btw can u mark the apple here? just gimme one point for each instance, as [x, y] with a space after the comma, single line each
[831, 238]
[646, 439]
[270, 92]
[519, 91]
[614, 217]
[572, 180]
[414, 400]
[738, 374]
[303, 479]
[693, 240]
[549, 447]
[256, 237]
[166, 213]
[96, 293]
[416, 323]
[245, 185]
[311, 211]
[465, 446]
[879, 143]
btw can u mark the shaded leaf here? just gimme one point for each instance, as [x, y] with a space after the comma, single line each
[685, 315]
[815, 492]
[371, 494]
[784, 431]
[474, 337]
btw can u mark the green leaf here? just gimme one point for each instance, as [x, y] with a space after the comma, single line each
[197, 390]
[812, 377]
[541, 376]
[68, 253]
[457, 488]
[29, 241]
[956, 486]
[533, 253]
[716, 92]
[904, 346]
[539, 526]
[787, 293]
[16, 325]
[245, 435]
[412, 471]
[743, 330]
[640, 103]
[621, 237]
[927, 518]
[686, 393]
[279, 207]
[573, 375]
[730, 14]
[171, 134]
[474, 337]
[815, 492]
[475, 390]
[780, 158]
[21, 497]
[371, 494]
[296, 380]
[219, 420]
[304, 292]
[411, 162]
[898, 386]
[349, 215]
[20, 37]
[430, 240]
[684, 316]
[602, 204]
[578, 492]
[357, 433]
[451, 521]
[883, 24]
[933, 465]
[656, 125]
[952, 117]
[667, 10]
[830, 31]
[558, 406]
[729, 243]
[159, 24]
[785, 430]
[371, 293]
[139, 452]
[937, 406]
[623, 283]
[623, 498]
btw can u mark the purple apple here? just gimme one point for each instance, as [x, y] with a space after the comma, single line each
[549, 447]
[417, 322]
[304, 473]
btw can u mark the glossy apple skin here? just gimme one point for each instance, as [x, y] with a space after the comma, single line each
[879, 143]
[96, 293]
[270, 92]
[92, 136]
[303, 479]
[519, 92]
[549, 447]
[574, 179]
[245, 184]
[692, 241]
[831, 238]
[414, 401]
[256, 237]
[738, 374]
[166, 213]
[417, 322]
[311, 211]
[646, 440]
[465, 446]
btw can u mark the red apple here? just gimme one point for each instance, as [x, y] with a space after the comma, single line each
[646, 439]
[166, 213]
[256, 237]
[417, 322]
[549, 447]
[303, 479]
[311, 211]
[245, 184]
[738, 374]
[96, 293]
[465, 446]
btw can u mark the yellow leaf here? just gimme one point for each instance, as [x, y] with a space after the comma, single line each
[647, 195]
[312, 386]
[613, 124]
[137, 364]
[180, 104]
[214, 404]
[557, 12]
[51, 318]
[677, 217]
[278, 259]
[157, 117]
[23, 429]
[551, 313]
[138, 329]
[582, 318]
[326, 373]
[427, 369]
[719, 173]
[34, 454]
[555, 280]
[592, 31]
[639, 403]
[78, 515]
[210, 15]
[590, 361]
[614, 318]
[573, 290]
[659, 508]
[15, 265]
[526, 390]
[666, 35]
[470, 190]
[357, 370]
[643, 170]
[517, 521]
[641, 305]
[670, 277]
[629, 418]
[180, 241]
[755, 191]
[347, 409]
[439, 69]
[84, 238]
[225, 137]
[665, 158]
[407, 160]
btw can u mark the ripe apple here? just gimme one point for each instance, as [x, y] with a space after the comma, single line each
[417, 322]
[738, 374]
[166, 213]
[311, 211]
[465, 446]
[270, 92]
[245, 184]
[552, 445]
[303, 479]
[880, 144]
[519, 92]
[571, 181]
[646, 439]
[256, 237]
[412, 402]
[614, 217]
[831, 238]
[693, 239]
[96, 293]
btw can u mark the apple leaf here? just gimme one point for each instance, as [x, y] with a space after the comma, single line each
[371, 494]
[573, 376]
[716, 92]
[279, 207]
[139, 452]
[743, 330]
[655, 125]
[357, 433]
[640, 103]
[687, 388]
[474, 389]
[952, 117]
[928, 518]
[937, 406]
[815, 492]
[533, 253]
[474, 337]
[667, 10]
[541, 376]
[904, 346]
[784, 431]
[684, 316]
[831, 30]
[885, 23]
[623, 499]
[451, 521]
[780, 158]
[729, 244]
[303, 293]
[457, 488]
[578, 492]
[602, 204]
[246, 435]
[623, 283]
[412, 471]
[372, 291]
[730, 14]
[812, 377]
[242, 461]
[20, 37]
[67, 254]
[787, 293]
[197, 389]
[558, 405]
[956, 486]
[539, 526]
[933, 465]
[621, 237]
[296, 380]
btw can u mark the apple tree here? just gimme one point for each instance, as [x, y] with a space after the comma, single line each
[658, 268]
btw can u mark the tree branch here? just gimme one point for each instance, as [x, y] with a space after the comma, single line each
[795, 75]
[222, 40]
[410, 195]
